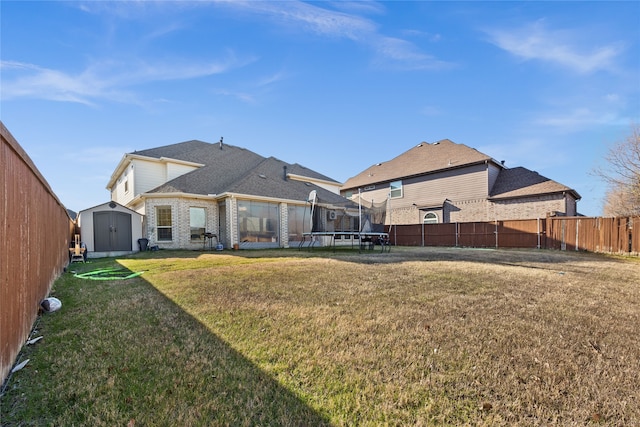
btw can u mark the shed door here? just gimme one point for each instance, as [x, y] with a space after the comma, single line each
[111, 231]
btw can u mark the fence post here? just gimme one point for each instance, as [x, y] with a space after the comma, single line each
[577, 235]
[630, 233]
[457, 232]
[496, 233]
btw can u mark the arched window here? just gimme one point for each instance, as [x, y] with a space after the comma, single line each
[430, 218]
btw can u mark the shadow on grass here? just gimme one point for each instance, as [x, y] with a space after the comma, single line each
[121, 353]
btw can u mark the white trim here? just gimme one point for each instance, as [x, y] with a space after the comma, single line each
[430, 213]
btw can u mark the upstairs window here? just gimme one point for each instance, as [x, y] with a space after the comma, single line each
[395, 189]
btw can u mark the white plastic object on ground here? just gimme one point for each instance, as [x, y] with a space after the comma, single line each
[20, 366]
[51, 304]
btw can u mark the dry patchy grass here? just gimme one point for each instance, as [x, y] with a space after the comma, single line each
[420, 336]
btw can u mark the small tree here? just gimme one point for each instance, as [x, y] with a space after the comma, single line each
[622, 173]
[618, 202]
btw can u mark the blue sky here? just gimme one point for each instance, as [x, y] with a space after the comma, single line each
[334, 86]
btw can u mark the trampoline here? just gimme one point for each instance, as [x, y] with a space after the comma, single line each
[357, 223]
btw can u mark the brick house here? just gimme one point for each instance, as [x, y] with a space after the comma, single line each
[194, 189]
[447, 182]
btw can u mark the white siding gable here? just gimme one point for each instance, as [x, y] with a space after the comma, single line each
[151, 174]
[123, 190]
[141, 175]
[174, 170]
[148, 175]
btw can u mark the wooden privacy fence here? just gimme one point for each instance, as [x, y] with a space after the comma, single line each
[36, 232]
[608, 235]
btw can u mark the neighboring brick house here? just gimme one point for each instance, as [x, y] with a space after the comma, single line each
[188, 189]
[448, 182]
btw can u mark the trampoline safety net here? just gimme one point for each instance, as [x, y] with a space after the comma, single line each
[350, 216]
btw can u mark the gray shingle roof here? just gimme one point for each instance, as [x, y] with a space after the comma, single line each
[422, 159]
[521, 182]
[182, 151]
[231, 169]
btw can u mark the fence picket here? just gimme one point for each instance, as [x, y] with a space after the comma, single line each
[592, 234]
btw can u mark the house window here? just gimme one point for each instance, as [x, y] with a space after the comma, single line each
[258, 221]
[430, 218]
[299, 218]
[197, 223]
[395, 189]
[164, 223]
[126, 185]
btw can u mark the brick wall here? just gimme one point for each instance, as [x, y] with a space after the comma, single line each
[538, 207]
[181, 230]
[485, 210]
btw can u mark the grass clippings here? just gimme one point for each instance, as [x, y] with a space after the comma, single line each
[420, 336]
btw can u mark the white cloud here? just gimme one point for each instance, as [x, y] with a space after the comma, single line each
[101, 81]
[242, 96]
[537, 42]
[32, 81]
[580, 118]
[310, 18]
[405, 55]
[392, 51]
[271, 79]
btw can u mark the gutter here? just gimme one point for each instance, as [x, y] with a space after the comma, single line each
[519, 196]
[214, 197]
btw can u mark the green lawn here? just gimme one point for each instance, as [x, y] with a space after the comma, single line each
[419, 336]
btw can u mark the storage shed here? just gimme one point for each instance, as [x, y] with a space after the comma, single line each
[110, 229]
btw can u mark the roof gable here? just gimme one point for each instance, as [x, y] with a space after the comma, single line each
[422, 159]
